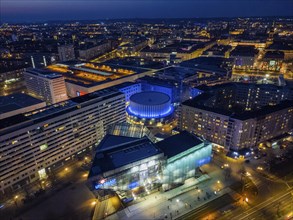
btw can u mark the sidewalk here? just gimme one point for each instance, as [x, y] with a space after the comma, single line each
[173, 203]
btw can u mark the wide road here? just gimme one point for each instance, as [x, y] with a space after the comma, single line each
[272, 208]
[208, 208]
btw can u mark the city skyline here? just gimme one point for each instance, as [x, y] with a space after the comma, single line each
[146, 109]
[45, 10]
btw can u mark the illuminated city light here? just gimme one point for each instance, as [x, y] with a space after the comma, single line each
[150, 115]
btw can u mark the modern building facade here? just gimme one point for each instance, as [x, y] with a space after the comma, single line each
[184, 154]
[32, 143]
[124, 163]
[48, 86]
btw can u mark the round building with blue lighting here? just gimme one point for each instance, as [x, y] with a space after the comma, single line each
[150, 105]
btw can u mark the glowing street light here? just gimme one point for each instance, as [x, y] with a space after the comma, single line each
[246, 199]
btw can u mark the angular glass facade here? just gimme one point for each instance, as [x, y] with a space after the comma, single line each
[157, 169]
[182, 166]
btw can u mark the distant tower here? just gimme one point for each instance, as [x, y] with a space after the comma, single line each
[33, 62]
[45, 62]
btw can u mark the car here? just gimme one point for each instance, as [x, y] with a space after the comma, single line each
[247, 174]
[257, 157]
[247, 161]
[259, 168]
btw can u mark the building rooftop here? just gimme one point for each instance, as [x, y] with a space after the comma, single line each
[43, 73]
[131, 62]
[218, 50]
[122, 154]
[150, 98]
[17, 101]
[57, 109]
[281, 45]
[110, 141]
[250, 51]
[179, 47]
[178, 143]
[274, 55]
[201, 101]
[212, 64]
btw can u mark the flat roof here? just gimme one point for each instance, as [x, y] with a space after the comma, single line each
[150, 98]
[200, 100]
[57, 109]
[212, 64]
[178, 143]
[43, 73]
[179, 47]
[130, 62]
[244, 51]
[17, 101]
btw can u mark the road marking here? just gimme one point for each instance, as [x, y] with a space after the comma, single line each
[263, 204]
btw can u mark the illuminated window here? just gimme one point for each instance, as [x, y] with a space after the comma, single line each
[43, 147]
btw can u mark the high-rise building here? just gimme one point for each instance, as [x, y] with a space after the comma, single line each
[48, 86]
[32, 144]
[66, 53]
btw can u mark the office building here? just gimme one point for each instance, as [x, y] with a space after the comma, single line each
[46, 85]
[32, 144]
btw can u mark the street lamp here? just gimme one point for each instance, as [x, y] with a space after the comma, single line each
[15, 200]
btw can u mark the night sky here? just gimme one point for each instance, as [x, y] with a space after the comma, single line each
[42, 10]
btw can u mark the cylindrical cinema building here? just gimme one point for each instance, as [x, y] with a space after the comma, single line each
[150, 108]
